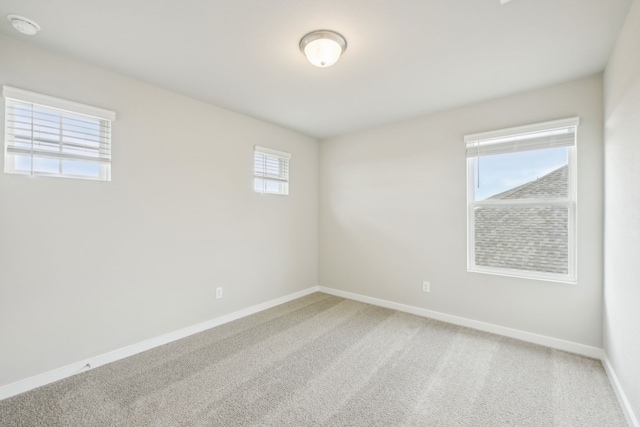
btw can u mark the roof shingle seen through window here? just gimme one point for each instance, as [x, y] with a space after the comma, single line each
[532, 238]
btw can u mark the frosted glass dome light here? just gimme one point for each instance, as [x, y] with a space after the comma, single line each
[323, 48]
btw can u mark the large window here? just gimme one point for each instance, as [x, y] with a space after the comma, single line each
[271, 171]
[53, 137]
[521, 196]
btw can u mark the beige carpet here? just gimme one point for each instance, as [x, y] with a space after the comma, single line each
[327, 361]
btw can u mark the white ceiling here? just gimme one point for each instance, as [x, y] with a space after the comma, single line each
[404, 58]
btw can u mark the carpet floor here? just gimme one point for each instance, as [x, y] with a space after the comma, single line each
[327, 361]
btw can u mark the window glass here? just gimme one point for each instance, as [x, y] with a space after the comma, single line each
[533, 238]
[498, 174]
[521, 201]
[271, 171]
[70, 167]
[46, 165]
[54, 137]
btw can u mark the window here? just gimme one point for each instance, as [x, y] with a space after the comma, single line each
[521, 197]
[53, 137]
[271, 171]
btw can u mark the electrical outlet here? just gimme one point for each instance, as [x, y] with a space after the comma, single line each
[219, 292]
[426, 287]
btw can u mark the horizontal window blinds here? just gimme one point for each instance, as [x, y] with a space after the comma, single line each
[560, 133]
[69, 133]
[271, 170]
[39, 131]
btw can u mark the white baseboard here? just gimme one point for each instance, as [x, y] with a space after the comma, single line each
[632, 420]
[99, 360]
[572, 347]
[112, 356]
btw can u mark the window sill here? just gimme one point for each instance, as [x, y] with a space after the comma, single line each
[522, 274]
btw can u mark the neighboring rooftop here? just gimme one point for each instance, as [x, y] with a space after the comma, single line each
[533, 238]
[553, 184]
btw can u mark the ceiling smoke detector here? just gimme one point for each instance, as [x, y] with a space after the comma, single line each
[24, 25]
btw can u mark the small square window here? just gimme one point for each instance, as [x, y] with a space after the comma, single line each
[271, 171]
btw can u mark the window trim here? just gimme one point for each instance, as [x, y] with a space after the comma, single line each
[280, 155]
[570, 202]
[21, 96]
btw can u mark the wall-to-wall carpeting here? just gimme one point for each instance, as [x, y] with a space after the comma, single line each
[326, 361]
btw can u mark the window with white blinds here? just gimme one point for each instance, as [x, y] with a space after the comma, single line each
[521, 198]
[560, 133]
[271, 171]
[50, 136]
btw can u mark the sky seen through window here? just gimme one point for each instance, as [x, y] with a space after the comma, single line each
[498, 173]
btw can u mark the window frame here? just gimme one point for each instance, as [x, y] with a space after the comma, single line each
[570, 202]
[283, 178]
[105, 118]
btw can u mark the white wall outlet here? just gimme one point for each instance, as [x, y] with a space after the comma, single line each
[219, 292]
[426, 287]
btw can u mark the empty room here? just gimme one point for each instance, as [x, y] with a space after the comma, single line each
[320, 213]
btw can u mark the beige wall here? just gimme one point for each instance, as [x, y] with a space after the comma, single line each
[393, 213]
[622, 209]
[87, 267]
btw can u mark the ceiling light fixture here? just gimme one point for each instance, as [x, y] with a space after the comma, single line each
[24, 25]
[323, 47]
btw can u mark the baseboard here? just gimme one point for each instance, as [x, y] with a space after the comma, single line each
[30, 383]
[572, 347]
[27, 384]
[632, 420]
